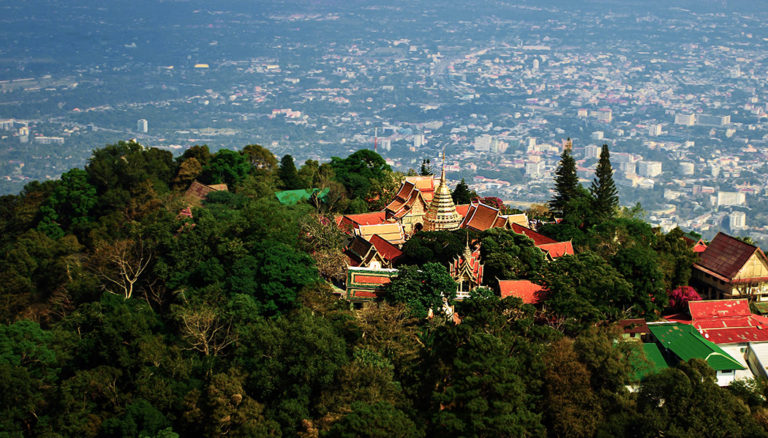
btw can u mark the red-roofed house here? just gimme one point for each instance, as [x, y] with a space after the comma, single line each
[529, 292]
[733, 327]
[730, 268]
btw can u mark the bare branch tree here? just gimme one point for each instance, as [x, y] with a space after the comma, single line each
[121, 264]
[203, 330]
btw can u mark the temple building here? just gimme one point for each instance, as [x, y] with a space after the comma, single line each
[467, 271]
[411, 202]
[441, 214]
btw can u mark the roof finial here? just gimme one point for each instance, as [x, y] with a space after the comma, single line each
[442, 174]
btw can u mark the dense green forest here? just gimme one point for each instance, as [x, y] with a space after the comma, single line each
[121, 317]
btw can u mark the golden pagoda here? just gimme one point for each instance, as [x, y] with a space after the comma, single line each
[441, 214]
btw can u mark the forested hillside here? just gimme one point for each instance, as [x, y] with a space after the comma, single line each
[125, 314]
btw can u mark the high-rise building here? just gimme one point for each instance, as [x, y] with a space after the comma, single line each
[592, 151]
[654, 130]
[706, 120]
[598, 135]
[685, 119]
[649, 169]
[687, 168]
[731, 198]
[737, 220]
[142, 125]
[24, 134]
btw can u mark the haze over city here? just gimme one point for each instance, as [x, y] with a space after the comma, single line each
[676, 90]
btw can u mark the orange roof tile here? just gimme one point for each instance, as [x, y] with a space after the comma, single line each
[538, 239]
[480, 217]
[463, 209]
[557, 249]
[526, 290]
[387, 250]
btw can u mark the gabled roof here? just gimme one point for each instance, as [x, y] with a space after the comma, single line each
[526, 290]
[358, 251]
[686, 343]
[480, 217]
[538, 239]
[725, 256]
[557, 249]
[199, 191]
[355, 220]
[404, 200]
[391, 232]
[425, 185]
[463, 209]
[468, 263]
[385, 249]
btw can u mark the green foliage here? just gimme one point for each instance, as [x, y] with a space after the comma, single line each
[68, 207]
[640, 267]
[461, 194]
[288, 174]
[260, 158]
[377, 420]
[356, 171]
[228, 167]
[422, 289]
[603, 189]
[436, 246]
[480, 375]
[566, 184]
[585, 289]
[686, 401]
[508, 255]
[230, 331]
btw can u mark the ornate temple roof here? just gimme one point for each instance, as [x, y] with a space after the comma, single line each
[442, 214]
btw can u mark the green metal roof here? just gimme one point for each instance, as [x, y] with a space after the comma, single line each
[293, 197]
[686, 343]
[653, 363]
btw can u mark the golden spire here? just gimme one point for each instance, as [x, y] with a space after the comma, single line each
[442, 214]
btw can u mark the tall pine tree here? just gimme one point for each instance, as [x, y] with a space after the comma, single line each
[605, 196]
[566, 184]
[288, 174]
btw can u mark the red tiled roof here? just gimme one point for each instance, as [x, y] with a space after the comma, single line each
[700, 246]
[384, 248]
[538, 239]
[480, 217]
[726, 255]
[372, 279]
[463, 209]
[526, 290]
[727, 321]
[557, 249]
[354, 220]
[718, 308]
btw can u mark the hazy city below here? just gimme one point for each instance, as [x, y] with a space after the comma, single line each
[676, 89]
